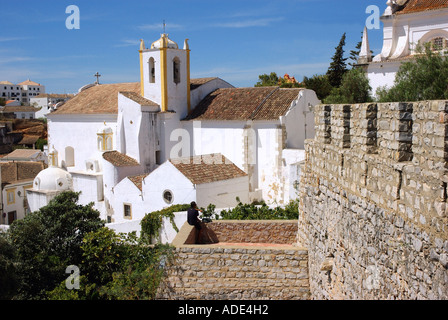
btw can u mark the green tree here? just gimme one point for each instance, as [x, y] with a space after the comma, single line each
[117, 266]
[424, 78]
[338, 66]
[354, 88]
[267, 80]
[320, 84]
[48, 240]
[8, 274]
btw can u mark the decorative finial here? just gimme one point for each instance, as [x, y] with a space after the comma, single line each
[164, 25]
[186, 46]
[142, 45]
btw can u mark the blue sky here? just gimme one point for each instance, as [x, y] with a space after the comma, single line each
[236, 40]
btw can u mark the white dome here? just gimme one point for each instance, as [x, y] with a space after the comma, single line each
[54, 179]
[105, 130]
[160, 43]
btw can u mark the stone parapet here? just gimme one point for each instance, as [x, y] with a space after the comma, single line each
[373, 212]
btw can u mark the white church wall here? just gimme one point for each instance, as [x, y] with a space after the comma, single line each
[299, 120]
[291, 159]
[223, 193]
[90, 185]
[79, 132]
[167, 178]
[130, 120]
[202, 91]
[177, 100]
[126, 192]
[225, 137]
[268, 168]
[152, 90]
[382, 74]
[39, 199]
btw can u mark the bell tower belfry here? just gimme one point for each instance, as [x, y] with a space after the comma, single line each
[165, 75]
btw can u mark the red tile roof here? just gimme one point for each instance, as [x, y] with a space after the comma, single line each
[12, 172]
[413, 6]
[207, 168]
[138, 180]
[257, 103]
[119, 159]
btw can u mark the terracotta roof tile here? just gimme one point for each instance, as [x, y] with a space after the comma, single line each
[277, 104]
[103, 99]
[7, 109]
[138, 98]
[99, 99]
[28, 139]
[29, 83]
[413, 6]
[207, 168]
[20, 170]
[119, 159]
[196, 83]
[22, 153]
[138, 180]
[257, 103]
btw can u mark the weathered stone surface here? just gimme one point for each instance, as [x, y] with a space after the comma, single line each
[380, 211]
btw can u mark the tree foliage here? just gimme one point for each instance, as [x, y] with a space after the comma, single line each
[45, 242]
[320, 84]
[272, 80]
[338, 66]
[354, 88]
[117, 267]
[152, 222]
[261, 211]
[424, 78]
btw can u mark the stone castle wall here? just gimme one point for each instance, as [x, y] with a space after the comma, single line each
[248, 270]
[373, 201]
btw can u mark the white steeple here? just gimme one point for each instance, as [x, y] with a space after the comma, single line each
[365, 55]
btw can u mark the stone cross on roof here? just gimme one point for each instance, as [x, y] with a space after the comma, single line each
[97, 75]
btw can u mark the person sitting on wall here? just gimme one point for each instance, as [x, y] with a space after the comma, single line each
[193, 219]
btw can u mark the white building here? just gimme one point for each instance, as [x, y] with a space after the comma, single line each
[18, 112]
[15, 178]
[407, 23]
[48, 102]
[21, 92]
[120, 144]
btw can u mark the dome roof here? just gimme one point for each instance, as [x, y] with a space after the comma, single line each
[54, 179]
[105, 129]
[164, 42]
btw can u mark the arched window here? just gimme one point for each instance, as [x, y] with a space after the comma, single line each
[152, 70]
[176, 70]
[438, 43]
[108, 142]
[69, 157]
[100, 143]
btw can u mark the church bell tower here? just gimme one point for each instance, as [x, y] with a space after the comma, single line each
[165, 75]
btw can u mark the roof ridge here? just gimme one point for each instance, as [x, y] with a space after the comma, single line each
[253, 114]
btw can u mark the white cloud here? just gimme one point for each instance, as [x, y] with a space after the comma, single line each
[4, 39]
[261, 22]
[128, 43]
[159, 26]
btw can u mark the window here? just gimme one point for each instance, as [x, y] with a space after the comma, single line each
[168, 196]
[69, 157]
[127, 208]
[152, 70]
[176, 70]
[438, 43]
[11, 198]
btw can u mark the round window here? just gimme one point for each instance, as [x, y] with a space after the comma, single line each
[168, 196]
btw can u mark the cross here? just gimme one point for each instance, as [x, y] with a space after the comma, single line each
[164, 25]
[97, 75]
